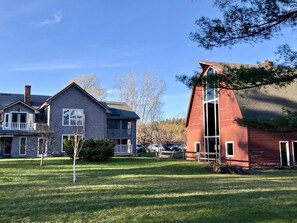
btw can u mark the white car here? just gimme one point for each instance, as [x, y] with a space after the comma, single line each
[155, 147]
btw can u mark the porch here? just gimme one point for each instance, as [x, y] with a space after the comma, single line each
[24, 126]
[123, 149]
[116, 133]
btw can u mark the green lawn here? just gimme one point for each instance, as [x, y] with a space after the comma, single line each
[141, 190]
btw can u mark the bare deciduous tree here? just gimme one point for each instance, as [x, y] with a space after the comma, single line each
[46, 138]
[143, 95]
[75, 143]
[91, 84]
[162, 132]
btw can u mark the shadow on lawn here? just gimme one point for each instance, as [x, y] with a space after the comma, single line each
[257, 206]
[145, 190]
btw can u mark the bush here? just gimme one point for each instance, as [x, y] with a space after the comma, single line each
[68, 146]
[225, 169]
[98, 150]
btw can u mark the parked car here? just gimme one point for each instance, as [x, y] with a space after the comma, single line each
[140, 148]
[174, 148]
[155, 147]
[182, 147]
[167, 146]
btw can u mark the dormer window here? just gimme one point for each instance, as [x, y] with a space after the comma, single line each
[73, 117]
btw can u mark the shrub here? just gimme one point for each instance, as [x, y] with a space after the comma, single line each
[225, 169]
[98, 150]
[92, 150]
[68, 146]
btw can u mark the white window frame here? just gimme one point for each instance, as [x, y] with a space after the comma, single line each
[20, 140]
[6, 120]
[226, 147]
[195, 146]
[45, 153]
[287, 151]
[76, 120]
[294, 141]
[68, 137]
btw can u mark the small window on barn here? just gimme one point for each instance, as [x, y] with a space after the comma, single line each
[197, 147]
[230, 149]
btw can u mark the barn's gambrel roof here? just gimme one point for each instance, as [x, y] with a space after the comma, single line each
[266, 102]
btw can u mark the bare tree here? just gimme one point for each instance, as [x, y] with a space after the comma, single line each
[75, 144]
[143, 96]
[91, 84]
[45, 139]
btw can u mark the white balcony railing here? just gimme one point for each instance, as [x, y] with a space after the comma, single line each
[17, 126]
[123, 149]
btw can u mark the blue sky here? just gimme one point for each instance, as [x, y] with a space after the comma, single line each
[47, 43]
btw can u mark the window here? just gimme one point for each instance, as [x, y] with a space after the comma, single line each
[294, 147]
[113, 124]
[230, 149]
[22, 146]
[69, 137]
[6, 120]
[42, 147]
[7, 146]
[73, 117]
[284, 153]
[211, 116]
[197, 147]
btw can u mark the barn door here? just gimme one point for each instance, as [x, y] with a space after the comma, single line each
[284, 153]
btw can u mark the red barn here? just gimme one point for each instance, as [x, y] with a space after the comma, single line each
[215, 135]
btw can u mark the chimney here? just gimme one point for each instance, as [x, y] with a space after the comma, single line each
[27, 95]
[266, 63]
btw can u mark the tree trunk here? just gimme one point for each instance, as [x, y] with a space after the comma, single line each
[41, 159]
[74, 169]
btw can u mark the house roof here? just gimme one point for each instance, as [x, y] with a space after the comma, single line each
[19, 102]
[115, 110]
[7, 99]
[120, 110]
[73, 84]
[220, 65]
[266, 102]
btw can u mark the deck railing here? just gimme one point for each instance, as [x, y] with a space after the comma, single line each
[123, 149]
[18, 126]
[118, 133]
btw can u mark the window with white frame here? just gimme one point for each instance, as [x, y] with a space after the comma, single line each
[69, 137]
[73, 117]
[294, 148]
[211, 115]
[230, 149]
[22, 145]
[197, 147]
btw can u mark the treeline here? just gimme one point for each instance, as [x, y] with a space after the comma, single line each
[162, 132]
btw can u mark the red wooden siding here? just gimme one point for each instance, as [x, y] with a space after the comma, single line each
[195, 121]
[231, 131]
[264, 147]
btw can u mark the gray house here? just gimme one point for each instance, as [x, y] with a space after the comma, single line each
[30, 123]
